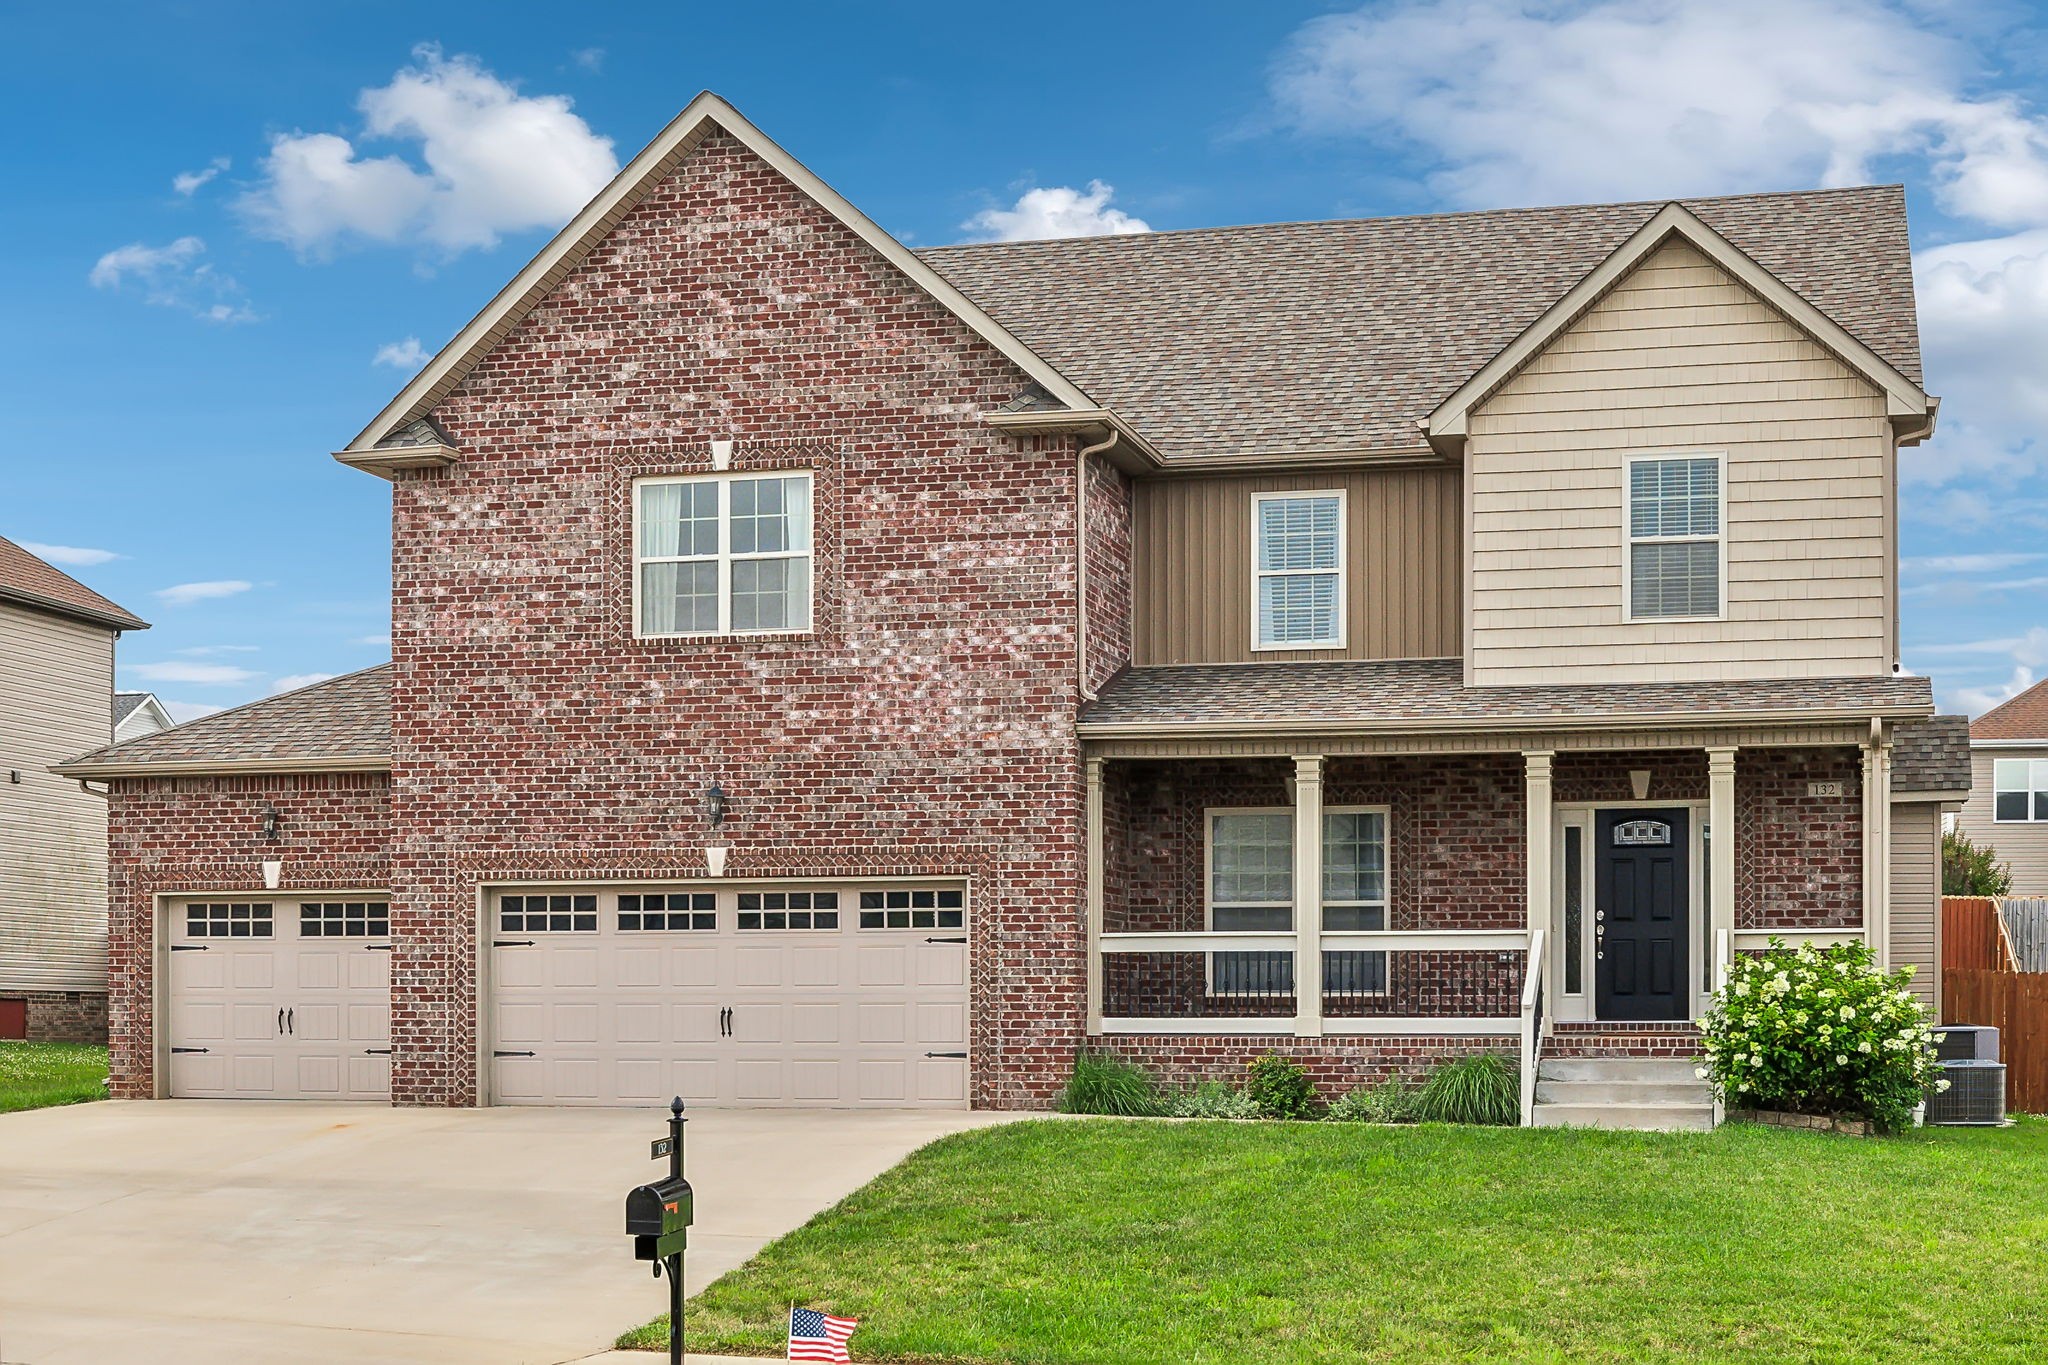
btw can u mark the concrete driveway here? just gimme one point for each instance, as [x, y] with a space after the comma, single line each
[264, 1233]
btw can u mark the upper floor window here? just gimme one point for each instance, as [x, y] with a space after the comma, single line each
[1298, 573]
[722, 554]
[1674, 537]
[2020, 789]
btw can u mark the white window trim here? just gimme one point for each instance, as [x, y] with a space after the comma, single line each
[725, 558]
[1385, 902]
[1342, 639]
[1629, 539]
[2034, 785]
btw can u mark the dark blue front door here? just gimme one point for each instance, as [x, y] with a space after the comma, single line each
[1639, 908]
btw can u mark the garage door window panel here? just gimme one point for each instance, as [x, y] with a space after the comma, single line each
[912, 910]
[547, 914]
[769, 910]
[344, 919]
[229, 919]
[693, 911]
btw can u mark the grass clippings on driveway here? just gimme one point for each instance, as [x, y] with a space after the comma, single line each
[1107, 1241]
[38, 1075]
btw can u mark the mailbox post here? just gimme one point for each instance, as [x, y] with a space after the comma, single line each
[658, 1217]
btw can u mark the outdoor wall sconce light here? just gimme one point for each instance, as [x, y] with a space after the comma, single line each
[716, 804]
[269, 822]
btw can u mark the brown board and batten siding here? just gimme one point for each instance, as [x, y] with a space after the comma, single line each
[1680, 358]
[1192, 546]
[1915, 907]
[56, 694]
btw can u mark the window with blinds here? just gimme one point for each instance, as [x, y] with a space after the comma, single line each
[1298, 542]
[1674, 537]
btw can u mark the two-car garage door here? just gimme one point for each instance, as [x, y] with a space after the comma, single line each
[822, 995]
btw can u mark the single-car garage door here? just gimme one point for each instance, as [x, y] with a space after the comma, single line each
[821, 995]
[279, 999]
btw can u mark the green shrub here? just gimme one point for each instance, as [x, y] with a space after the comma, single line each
[1820, 1031]
[1280, 1088]
[1105, 1083]
[1482, 1088]
[1212, 1100]
[1388, 1102]
[1967, 870]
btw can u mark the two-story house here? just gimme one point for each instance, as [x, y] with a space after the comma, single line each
[2008, 807]
[830, 673]
[57, 639]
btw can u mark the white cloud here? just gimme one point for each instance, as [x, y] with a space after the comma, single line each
[1967, 564]
[384, 640]
[589, 58]
[198, 675]
[294, 680]
[1977, 700]
[495, 161]
[184, 594]
[1984, 316]
[1057, 211]
[205, 651]
[182, 711]
[173, 276]
[189, 183]
[80, 555]
[402, 355]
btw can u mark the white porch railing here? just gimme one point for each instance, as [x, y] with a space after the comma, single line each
[1532, 1026]
[1444, 982]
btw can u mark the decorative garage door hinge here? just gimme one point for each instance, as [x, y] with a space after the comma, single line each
[511, 1054]
[946, 940]
[961, 1055]
[512, 943]
[189, 947]
[376, 1052]
[176, 1050]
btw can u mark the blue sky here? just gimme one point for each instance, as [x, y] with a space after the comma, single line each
[238, 209]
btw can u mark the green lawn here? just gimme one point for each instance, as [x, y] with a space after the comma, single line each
[37, 1075]
[1106, 1241]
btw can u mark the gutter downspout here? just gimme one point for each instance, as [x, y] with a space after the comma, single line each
[1081, 562]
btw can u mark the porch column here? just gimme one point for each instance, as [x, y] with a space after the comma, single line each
[1720, 852]
[1877, 810]
[1308, 895]
[1091, 913]
[1537, 781]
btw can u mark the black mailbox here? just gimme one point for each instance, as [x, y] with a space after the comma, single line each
[658, 1218]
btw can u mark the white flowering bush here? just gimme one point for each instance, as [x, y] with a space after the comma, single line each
[1820, 1031]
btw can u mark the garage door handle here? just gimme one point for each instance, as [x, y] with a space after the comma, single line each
[511, 943]
[511, 1054]
[961, 1055]
[291, 1017]
[376, 1052]
[945, 940]
[280, 1023]
[176, 1050]
[189, 947]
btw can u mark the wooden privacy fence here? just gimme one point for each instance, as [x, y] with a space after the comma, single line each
[2026, 931]
[2016, 1004]
[1973, 938]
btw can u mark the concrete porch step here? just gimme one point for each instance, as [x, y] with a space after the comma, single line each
[1624, 1092]
[1619, 1070]
[1643, 1118]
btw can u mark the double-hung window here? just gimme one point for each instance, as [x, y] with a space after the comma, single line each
[1251, 889]
[722, 554]
[2019, 790]
[1674, 537]
[1298, 570]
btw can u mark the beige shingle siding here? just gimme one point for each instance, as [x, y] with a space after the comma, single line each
[56, 689]
[1679, 359]
[2024, 847]
[1916, 893]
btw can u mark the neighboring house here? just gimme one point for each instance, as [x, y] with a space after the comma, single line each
[2008, 809]
[56, 696]
[137, 714]
[827, 673]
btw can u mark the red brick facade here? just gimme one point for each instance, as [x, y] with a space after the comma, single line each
[172, 834]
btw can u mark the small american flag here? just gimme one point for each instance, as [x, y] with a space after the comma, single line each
[819, 1336]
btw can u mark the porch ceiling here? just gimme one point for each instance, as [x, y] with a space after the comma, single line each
[1390, 696]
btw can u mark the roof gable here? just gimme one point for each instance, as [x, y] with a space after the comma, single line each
[2021, 717]
[394, 426]
[29, 581]
[1904, 398]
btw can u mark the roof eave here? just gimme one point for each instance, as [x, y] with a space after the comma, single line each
[1644, 720]
[1132, 451]
[117, 620]
[657, 159]
[1931, 794]
[390, 461]
[87, 769]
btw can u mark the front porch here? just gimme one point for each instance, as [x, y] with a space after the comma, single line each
[1371, 905]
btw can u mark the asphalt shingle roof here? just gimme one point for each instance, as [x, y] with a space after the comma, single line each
[125, 704]
[1341, 335]
[2023, 717]
[1433, 691]
[1931, 755]
[343, 718]
[27, 580]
